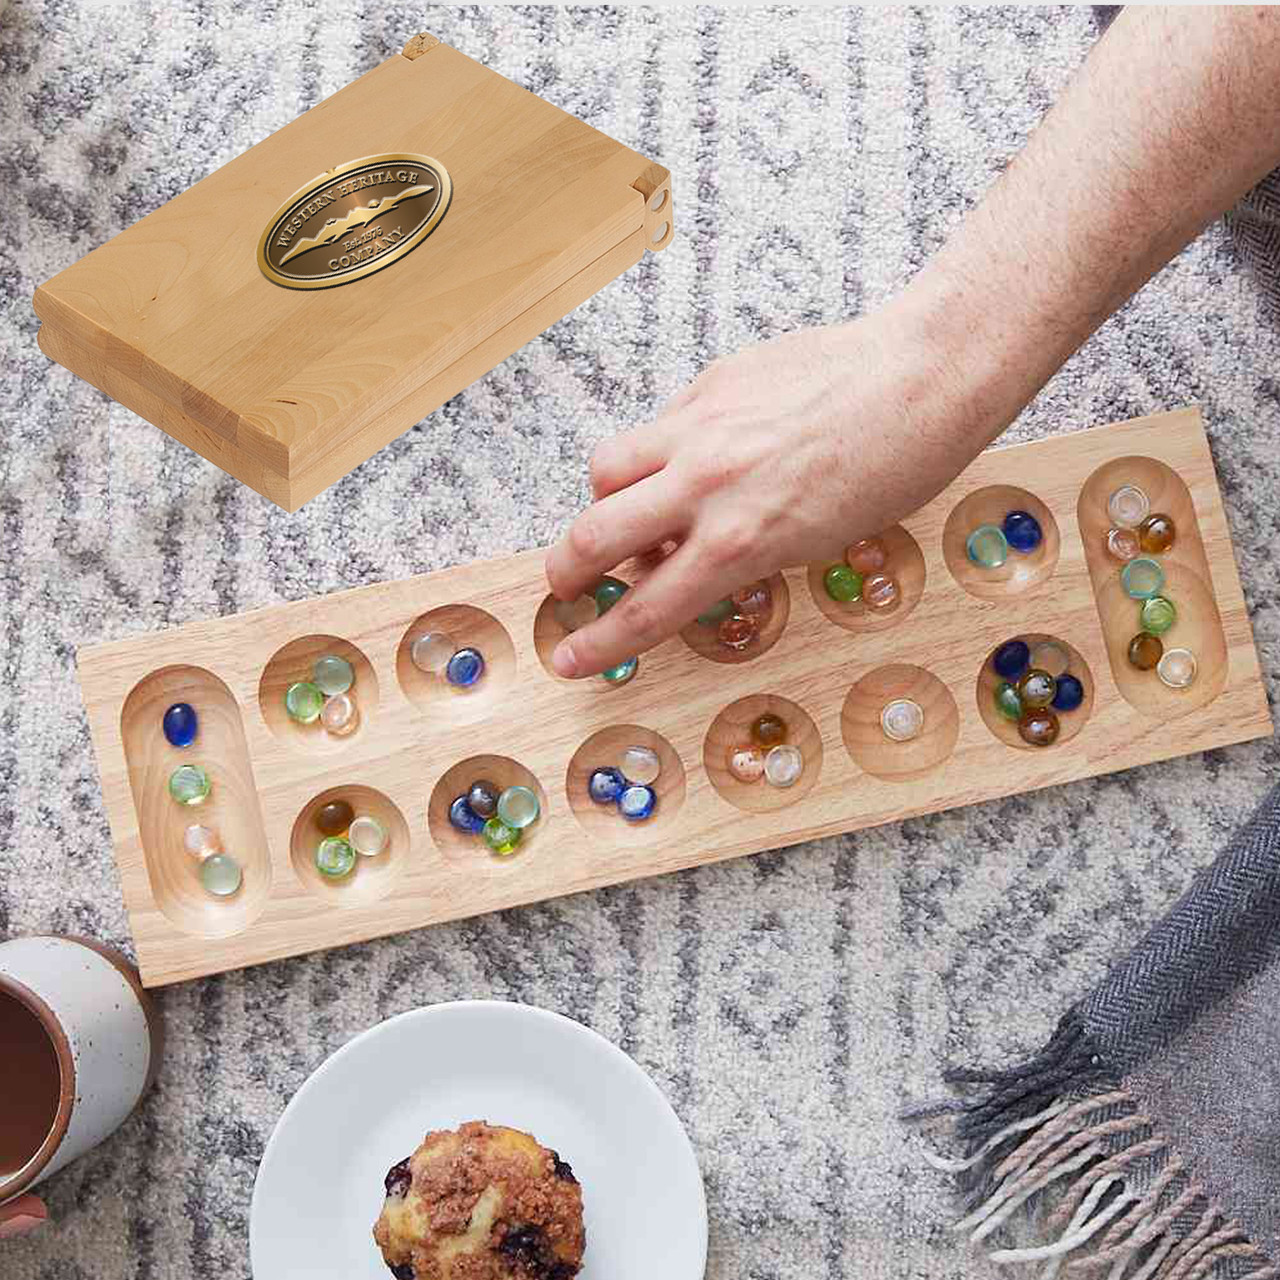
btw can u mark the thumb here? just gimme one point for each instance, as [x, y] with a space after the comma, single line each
[19, 1216]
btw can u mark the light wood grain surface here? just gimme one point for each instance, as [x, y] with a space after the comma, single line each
[416, 745]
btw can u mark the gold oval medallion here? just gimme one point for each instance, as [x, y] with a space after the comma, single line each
[354, 220]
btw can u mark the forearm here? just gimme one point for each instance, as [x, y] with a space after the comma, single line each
[1174, 115]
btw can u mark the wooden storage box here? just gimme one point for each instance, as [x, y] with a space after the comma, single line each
[301, 307]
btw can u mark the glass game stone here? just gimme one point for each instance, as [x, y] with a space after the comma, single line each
[1142, 578]
[1177, 668]
[1022, 531]
[464, 668]
[1050, 656]
[868, 556]
[755, 600]
[181, 724]
[333, 675]
[1128, 506]
[902, 720]
[1157, 615]
[1037, 689]
[574, 614]
[608, 593]
[340, 716]
[1039, 727]
[637, 803]
[1008, 704]
[1157, 533]
[1011, 659]
[640, 765]
[987, 547]
[335, 857]
[842, 584]
[368, 837]
[334, 818]
[738, 633]
[746, 763]
[482, 796]
[220, 875]
[304, 702]
[189, 784]
[623, 672]
[606, 785]
[518, 807]
[501, 838]
[768, 730]
[1145, 651]
[718, 612]
[783, 765]
[1123, 544]
[464, 818]
[199, 841]
[431, 652]
[880, 593]
[1070, 694]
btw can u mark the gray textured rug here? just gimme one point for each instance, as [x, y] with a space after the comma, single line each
[788, 1004]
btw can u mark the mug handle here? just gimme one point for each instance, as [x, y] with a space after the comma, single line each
[20, 1215]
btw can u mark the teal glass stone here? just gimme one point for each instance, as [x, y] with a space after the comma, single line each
[1142, 578]
[501, 838]
[843, 584]
[1158, 615]
[518, 807]
[987, 547]
[335, 857]
[189, 784]
[1008, 704]
[622, 672]
[304, 702]
[608, 593]
[718, 612]
[220, 875]
[333, 675]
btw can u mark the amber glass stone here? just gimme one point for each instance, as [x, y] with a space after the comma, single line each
[738, 632]
[1156, 533]
[1038, 727]
[335, 817]
[1145, 651]
[1036, 689]
[768, 730]
[868, 556]
[881, 593]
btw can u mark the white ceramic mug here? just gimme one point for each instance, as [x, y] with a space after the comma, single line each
[80, 1042]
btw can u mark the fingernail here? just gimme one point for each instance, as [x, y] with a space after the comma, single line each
[564, 661]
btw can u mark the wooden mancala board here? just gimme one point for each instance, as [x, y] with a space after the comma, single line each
[828, 670]
[308, 302]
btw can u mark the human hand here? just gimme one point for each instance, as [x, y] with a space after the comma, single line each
[20, 1215]
[782, 454]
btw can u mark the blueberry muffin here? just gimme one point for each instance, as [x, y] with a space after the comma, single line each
[481, 1203]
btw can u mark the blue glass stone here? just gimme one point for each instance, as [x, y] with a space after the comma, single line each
[1022, 531]
[606, 786]
[1011, 659]
[1070, 694]
[181, 724]
[465, 668]
[637, 803]
[465, 818]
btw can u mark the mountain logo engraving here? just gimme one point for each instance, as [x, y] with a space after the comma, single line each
[354, 220]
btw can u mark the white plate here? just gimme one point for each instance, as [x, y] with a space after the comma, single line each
[319, 1187]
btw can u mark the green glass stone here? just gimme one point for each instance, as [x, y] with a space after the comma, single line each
[842, 583]
[501, 838]
[335, 857]
[1142, 578]
[518, 807]
[1008, 704]
[333, 675]
[304, 702]
[220, 875]
[190, 784]
[622, 672]
[987, 546]
[718, 612]
[1158, 615]
[608, 593]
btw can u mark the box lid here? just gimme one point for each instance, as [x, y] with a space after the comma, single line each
[306, 303]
